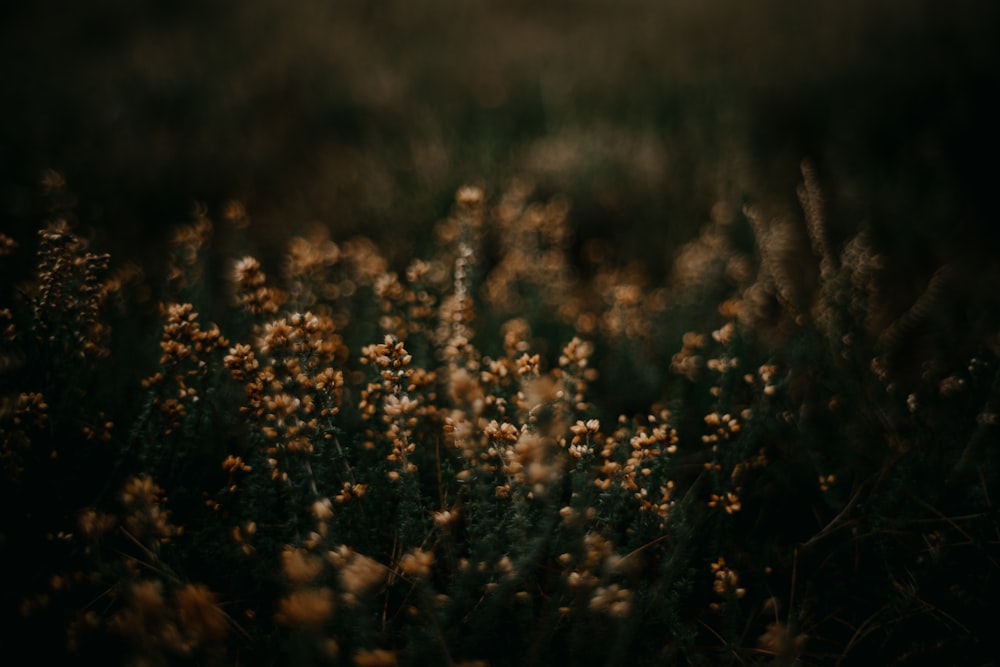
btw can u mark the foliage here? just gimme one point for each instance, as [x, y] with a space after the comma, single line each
[444, 462]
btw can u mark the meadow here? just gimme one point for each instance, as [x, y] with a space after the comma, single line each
[499, 333]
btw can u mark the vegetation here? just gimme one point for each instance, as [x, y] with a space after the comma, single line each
[642, 333]
[376, 467]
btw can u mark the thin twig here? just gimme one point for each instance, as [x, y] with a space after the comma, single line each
[722, 640]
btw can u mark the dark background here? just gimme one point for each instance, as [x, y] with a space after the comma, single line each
[367, 116]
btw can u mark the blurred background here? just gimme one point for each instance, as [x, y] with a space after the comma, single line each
[366, 116]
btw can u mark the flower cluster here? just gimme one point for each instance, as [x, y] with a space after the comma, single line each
[725, 583]
[291, 488]
[185, 351]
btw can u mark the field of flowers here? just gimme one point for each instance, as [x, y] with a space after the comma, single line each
[489, 342]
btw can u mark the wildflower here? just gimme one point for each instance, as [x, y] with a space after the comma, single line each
[950, 385]
[350, 492]
[240, 361]
[308, 608]
[612, 600]
[528, 365]
[146, 517]
[234, 464]
[375, 658]
[724, 426]
[417, 563]
[726, 581]
[322, 509]
[581, 428]
[724, 335]
[358, 573]
[32, 409]
[722, 364]
[92, 525]
[445, 518]
[201, 619]
[307, 257]
[146, 607]
[778, 641]
[576, 354]
[396, 406]
[247, 273]
[730, 502]
[300, 566]
[7, 245]
[580, 580]
[826, 482]
[469, 196]
[504, 433]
